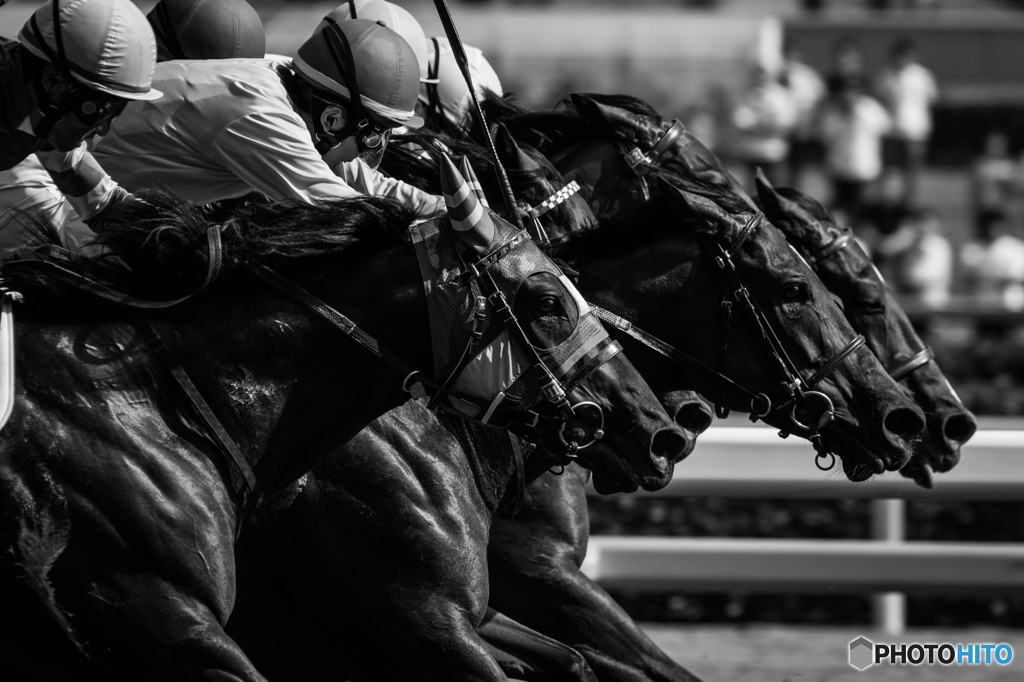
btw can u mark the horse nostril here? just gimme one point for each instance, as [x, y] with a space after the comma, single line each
[904, 422]
[694, 417]
[670, 445]
[960, 427]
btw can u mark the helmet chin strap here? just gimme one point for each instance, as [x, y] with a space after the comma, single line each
[53, 113]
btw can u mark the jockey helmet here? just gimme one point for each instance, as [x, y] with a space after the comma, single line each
[207, 29]
[398, 19]
[448, 93]
[372, 60]
[104, 44]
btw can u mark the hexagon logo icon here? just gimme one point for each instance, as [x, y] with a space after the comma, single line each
[862, 653]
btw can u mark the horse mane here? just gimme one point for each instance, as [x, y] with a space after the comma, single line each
[650, 218]
[564, 126]
[808, 203]
[156, 247]
[414, 157]
[633, 105]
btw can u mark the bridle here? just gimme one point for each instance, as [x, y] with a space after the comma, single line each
[515, 409]
[834, 248]
[534, 213]
[640, 163]
[809, 410]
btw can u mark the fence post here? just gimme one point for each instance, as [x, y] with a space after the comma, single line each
[888, 525]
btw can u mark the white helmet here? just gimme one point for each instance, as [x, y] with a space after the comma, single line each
[450, 94]
[394, 17]
[106, 45]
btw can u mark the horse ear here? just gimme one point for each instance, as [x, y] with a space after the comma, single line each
[772, 203]
[469, 219]
[510, 153]
[608, 117]
[504, 143]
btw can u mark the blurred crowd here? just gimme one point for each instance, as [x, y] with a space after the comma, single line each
[868, 134]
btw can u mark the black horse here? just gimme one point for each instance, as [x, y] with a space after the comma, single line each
[117, 511]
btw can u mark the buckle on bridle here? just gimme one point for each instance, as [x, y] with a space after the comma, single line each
[595, 435]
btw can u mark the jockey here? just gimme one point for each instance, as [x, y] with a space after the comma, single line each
[444, 96]
[287, 129]
[76, 64]
[207, 29]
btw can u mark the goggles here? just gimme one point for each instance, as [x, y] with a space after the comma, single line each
[93, 109]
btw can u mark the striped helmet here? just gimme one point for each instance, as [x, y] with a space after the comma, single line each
[383, 70]
[394, 17]
[106, 45]
[207, 29]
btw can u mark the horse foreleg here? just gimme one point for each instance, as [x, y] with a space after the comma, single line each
[528, 655]
[533, 562]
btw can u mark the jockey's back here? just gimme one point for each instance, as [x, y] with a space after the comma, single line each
[218, 124]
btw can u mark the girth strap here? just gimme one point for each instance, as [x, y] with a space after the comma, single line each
[240, 473]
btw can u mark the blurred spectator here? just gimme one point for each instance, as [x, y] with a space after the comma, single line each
[908, 91]
[807, 90]
[993, 178]
[700, 122]
[995, 263]
[925, 258]
[851, 127]
[847, 63]
[762, 120]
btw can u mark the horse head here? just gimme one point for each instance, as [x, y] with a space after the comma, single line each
[551, 346]
[873, 310]
[785, 353]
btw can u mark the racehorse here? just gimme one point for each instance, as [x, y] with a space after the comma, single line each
[119, 513]
[322, 504]
[612, 173]
[873, 311]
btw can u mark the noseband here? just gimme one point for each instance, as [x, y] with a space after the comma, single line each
[809, 410]
[833, 249]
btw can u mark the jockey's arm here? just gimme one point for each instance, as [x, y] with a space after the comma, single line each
[273, 153]
[366, 180]
[87, 187]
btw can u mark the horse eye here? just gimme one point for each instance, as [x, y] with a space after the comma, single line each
[794, 291]
[547, 304]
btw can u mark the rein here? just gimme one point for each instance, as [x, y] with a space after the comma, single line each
[639, 162]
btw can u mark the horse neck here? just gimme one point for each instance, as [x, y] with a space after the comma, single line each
[643, 279]
[287, 386]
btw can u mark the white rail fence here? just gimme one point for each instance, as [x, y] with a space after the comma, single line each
[752, 462]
